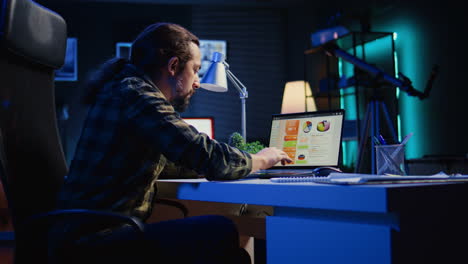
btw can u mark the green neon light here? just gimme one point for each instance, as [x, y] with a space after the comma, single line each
[410, 107]
[345, 154]
[340, 73]
[395, 57]
[342, 105]
[397, 90]
[399, 127]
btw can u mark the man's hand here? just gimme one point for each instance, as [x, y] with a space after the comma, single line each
[268, 157]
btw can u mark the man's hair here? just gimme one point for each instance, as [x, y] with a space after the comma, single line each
[159, 42]
[151, 50]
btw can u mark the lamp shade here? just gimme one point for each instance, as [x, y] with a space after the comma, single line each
[297, 97]
[215, 78]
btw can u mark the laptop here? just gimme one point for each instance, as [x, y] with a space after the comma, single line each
[311, 139]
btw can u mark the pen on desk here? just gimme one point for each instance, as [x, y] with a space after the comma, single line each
[376, 141]
[382, 140]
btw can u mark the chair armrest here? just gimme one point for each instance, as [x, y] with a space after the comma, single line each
[36, 228]
[98, 215]
[173, 203]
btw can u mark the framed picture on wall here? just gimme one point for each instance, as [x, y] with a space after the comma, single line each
[202, 124]
[69, 70]
[207, 47]
[122, 49]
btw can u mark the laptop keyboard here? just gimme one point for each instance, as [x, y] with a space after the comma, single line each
[266, 174]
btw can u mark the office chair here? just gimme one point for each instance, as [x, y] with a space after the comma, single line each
[32, 46]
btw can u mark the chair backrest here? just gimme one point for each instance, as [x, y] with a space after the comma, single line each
[32, 45]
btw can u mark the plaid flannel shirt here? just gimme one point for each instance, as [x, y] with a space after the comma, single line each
[130, 133]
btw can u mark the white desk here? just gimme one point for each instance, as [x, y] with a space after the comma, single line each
[321, 223]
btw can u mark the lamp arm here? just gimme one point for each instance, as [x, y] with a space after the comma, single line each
[243, 96]
[237, 83]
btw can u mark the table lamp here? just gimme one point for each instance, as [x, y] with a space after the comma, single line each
[297, 97]
[215, 79]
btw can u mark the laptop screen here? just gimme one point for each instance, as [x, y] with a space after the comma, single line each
[311, 139]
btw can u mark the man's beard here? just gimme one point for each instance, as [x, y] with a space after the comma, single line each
[181, 102]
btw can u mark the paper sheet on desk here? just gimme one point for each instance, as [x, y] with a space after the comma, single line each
[357, 178]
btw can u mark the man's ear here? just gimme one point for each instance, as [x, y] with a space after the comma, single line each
[172, 65]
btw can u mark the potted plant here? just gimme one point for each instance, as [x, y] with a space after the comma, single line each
[236, 140]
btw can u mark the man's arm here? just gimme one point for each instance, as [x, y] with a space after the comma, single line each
[154, 119]
[173, 171]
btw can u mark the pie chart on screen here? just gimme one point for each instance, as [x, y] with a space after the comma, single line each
[307, 126]
[323, 126]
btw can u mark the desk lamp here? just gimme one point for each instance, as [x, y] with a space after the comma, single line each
[215, 79]
[297, 97]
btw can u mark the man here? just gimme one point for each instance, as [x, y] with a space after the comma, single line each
[131, 132]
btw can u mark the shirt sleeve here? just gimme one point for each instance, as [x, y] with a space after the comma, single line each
[154, 119]
[174, 171]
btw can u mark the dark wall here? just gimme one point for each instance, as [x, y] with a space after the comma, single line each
[98, 27]
[266, 47]
[256, 53]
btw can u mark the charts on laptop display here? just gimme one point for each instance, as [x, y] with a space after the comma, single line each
[311, 139]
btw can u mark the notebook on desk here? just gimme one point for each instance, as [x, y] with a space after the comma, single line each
[311, 139]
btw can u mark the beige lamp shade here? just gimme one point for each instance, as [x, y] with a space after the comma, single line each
[296, 95]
